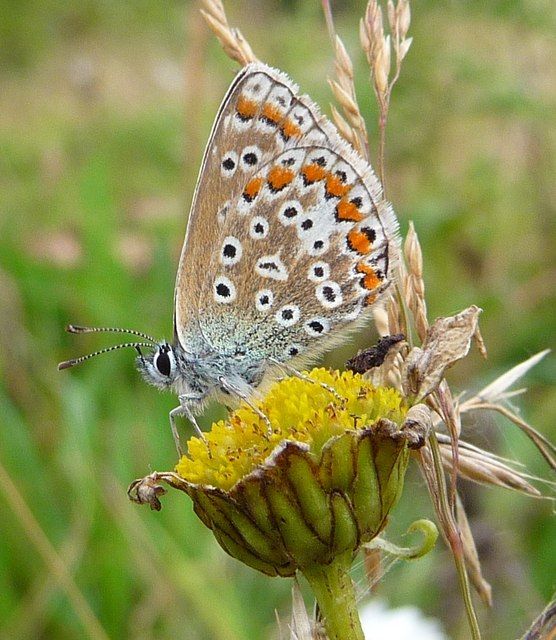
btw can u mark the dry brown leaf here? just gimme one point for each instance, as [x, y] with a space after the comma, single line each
[447, 341]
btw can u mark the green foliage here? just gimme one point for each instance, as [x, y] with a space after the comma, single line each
[103, 121]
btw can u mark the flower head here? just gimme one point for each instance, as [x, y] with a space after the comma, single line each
[307, 410]
[315, 484]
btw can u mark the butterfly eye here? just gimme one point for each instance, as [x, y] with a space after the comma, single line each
[162, 363]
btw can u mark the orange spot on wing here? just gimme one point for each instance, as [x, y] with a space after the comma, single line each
[359, 241]
[370, 280]
[313, 173]
[252, 189]
[246, 108]
[335, 187]
[346, 210]
[290, 129]
[271, 113]
[279, 177]
[370, 299]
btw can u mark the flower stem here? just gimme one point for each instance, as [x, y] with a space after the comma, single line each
[335, 594]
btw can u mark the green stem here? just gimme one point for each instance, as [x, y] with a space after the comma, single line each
[335, 594]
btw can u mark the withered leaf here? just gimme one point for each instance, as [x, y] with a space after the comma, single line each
[447, 341]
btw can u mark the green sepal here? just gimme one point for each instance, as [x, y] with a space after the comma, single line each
[337, 467]
[242, 554]
[391, 459]
[251, 496]
[265, 547]
[366, 491]
[299, 539]
[218, 520]
[345, 534]
[313, 501]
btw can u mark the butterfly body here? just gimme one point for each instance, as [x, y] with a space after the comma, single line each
[288, 245]
[197, 375]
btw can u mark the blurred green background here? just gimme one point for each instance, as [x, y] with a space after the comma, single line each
[105, 107]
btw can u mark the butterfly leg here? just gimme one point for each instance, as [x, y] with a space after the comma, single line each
[228, 386]
[292, 371]
[184, 410]
[178, 411]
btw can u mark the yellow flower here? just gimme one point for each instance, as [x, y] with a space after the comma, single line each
[298, 410]
[311, 486]
[300, 481]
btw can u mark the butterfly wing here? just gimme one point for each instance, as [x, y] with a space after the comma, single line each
[301, 241]
[221, 180]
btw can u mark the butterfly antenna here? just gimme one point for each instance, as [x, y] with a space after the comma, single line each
[73, 328]
[71, 363]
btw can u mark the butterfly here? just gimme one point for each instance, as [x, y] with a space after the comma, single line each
[289, 243]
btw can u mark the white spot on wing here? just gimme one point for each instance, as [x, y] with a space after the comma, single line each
[318, 247]
[257, 87]
[319, 271]
[288, 315]
[223, 212]
[258, 228]
[317, 326]
[228, 165]
[322, 157]
[302, 117]
[251, 157]
[355, 312]
[293, 350]
[224, 290]
[264, 299]
[343, 169]
[292, 159]
[271, 267]
[231, 251]
[266, 126]
[290, 212]
[329, 294]
[315, 136]
[360, 193]
[241, 125]
[280, 97]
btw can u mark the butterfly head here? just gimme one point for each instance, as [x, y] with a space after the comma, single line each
[159, 368]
